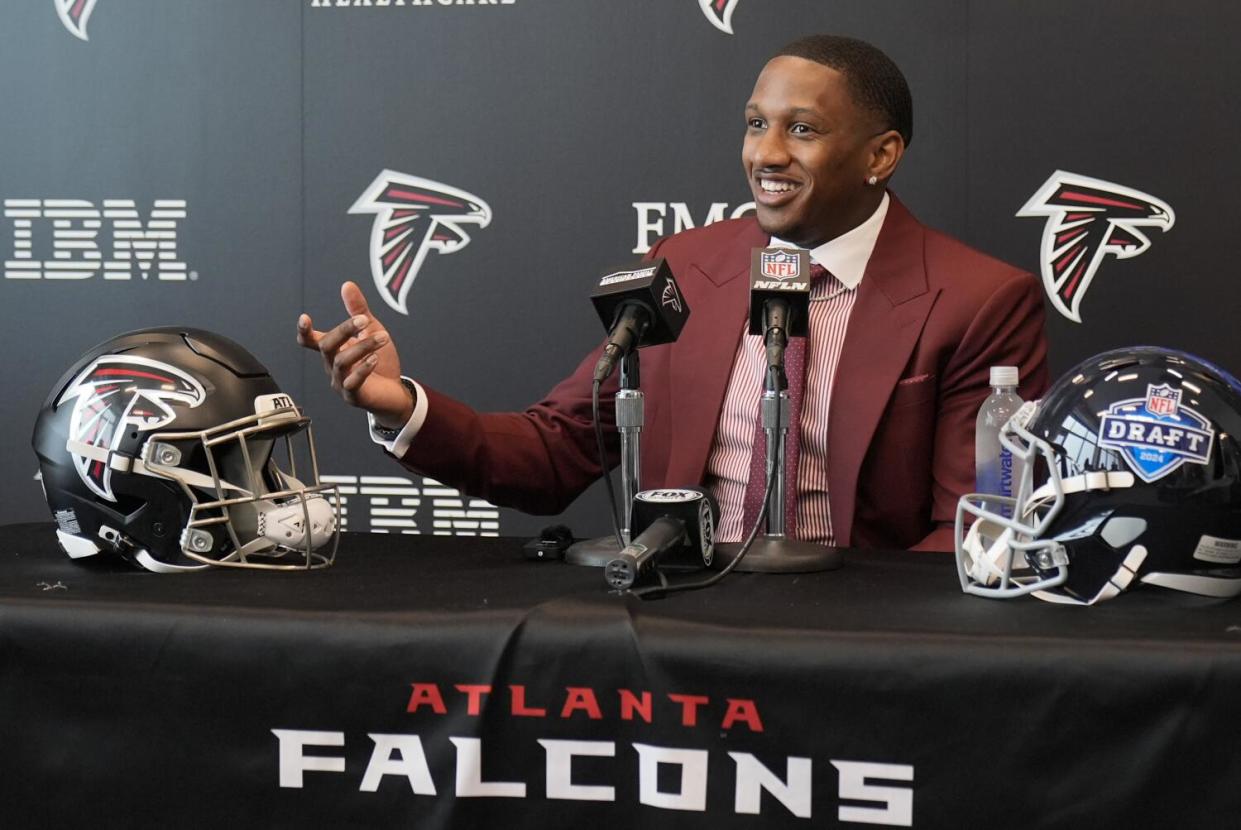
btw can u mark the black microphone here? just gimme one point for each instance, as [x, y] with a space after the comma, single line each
[779, 298]
[673, 529]
[640, 306]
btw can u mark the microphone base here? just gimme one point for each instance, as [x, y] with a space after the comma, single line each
[779, 554]
[595, 552]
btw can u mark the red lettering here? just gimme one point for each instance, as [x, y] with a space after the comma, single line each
[740, 709]
[475, 694]
[519, 704]
[581, 698]
[689, 707]
[629, 704]
[426, 694]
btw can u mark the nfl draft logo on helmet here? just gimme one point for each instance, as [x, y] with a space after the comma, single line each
[74, 14]
[1157, 434]
[413, 216]
[117, 393]
[720, 13]
[1088, 219]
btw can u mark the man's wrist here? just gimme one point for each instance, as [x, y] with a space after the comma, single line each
[390, 433]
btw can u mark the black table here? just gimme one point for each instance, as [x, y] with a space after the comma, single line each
[353, 697]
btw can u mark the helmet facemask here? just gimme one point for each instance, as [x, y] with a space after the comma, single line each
[249, 505]
[1003, 553]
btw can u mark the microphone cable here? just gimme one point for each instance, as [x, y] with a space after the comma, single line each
[664, 588]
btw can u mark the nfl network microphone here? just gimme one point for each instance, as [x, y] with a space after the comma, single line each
[779, 298]
[640, 306]
[672, 529]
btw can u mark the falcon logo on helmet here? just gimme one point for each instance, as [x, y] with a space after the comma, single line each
[720, 13]
[414, 216]
[1088, 219]
[117, 393]
[74, 14]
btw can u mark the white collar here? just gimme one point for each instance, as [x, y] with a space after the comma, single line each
[846, 256]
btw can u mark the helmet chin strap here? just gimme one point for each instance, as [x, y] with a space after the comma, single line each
[990, 563]
[291, 522]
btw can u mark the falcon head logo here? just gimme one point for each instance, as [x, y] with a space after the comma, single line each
[74, 14]
[115, 394]
[414, 216]
[1088, 219]
[720, 13]
[670, 297]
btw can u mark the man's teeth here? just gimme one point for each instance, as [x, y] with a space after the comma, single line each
[776, 187]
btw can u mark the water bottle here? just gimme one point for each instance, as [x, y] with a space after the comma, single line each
[998, 473]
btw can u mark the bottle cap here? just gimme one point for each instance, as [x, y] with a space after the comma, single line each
[1004, 376]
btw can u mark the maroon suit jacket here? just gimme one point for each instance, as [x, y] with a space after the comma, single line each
[930, 319]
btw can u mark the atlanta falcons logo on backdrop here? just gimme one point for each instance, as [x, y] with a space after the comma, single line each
[74, 14]
[414, 216]
[117, 393]
[1087, 219]
[720, 13]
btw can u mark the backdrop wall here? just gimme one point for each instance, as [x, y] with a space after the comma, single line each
[212, 164]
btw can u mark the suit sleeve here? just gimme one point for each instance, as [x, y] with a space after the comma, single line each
[1008, 330]
[537, 461]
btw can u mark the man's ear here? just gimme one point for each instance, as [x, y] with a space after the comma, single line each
[887, 148]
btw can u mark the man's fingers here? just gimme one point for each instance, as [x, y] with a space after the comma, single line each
[354, 299]
[356, 352]
[306, 335]
[332, 341]
[361, 371]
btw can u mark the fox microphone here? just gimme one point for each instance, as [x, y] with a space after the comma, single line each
[640, 306]
[779, 298]
[673, 529]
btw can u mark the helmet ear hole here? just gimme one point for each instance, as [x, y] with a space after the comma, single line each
[1122, 531]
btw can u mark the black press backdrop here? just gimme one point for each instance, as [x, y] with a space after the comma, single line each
[197, 163]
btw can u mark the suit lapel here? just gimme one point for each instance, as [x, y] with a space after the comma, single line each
[884, 326]
[892, 306]
[703, 361]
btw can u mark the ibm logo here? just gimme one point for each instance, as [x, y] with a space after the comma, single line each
[76, 225]
[391, 504]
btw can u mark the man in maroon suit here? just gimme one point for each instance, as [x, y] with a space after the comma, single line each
[910, 322]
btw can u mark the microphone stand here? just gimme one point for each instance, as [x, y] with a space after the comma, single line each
[773, 551]
[630, 417]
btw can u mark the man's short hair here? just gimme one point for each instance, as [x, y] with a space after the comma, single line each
[874, 81]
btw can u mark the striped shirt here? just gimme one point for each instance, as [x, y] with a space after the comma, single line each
[728, 465]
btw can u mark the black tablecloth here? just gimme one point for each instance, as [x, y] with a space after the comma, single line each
[877, 693]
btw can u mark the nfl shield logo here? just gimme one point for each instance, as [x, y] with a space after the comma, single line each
[1163, 400]
[780, 265]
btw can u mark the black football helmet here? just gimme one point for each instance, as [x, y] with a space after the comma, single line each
[174, 449]
[1140, 469]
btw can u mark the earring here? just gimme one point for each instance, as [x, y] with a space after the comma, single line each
[872, 180]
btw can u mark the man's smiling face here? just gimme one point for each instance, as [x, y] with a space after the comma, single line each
[808, 152]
